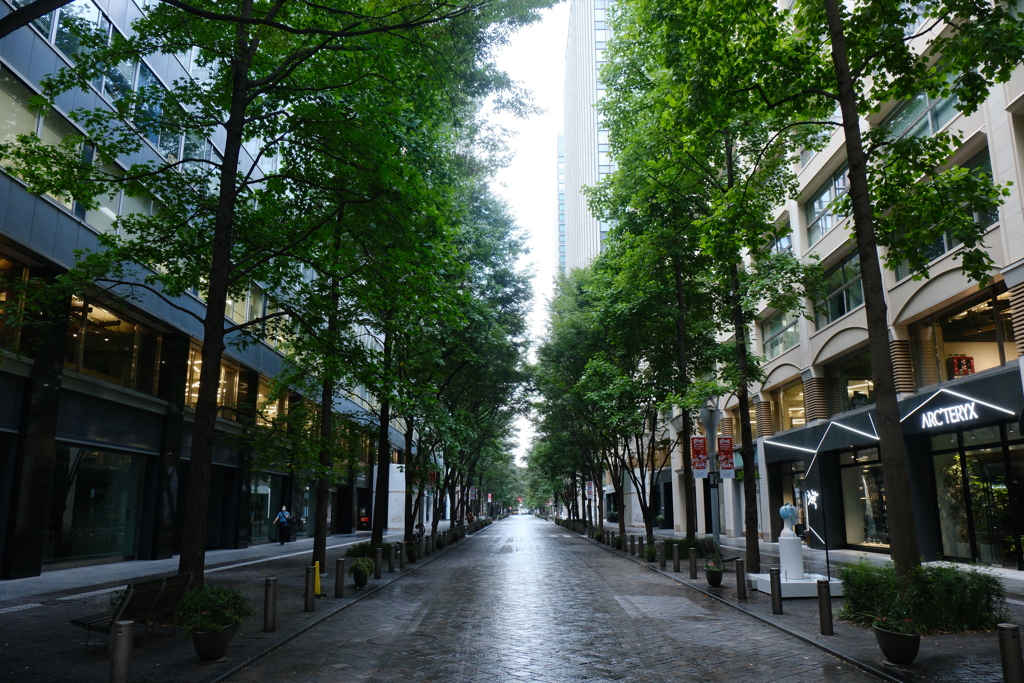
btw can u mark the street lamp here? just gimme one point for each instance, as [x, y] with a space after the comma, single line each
[710, 416]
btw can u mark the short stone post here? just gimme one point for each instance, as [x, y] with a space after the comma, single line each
[825, 608]
[310, 594]
[1010, 653]
[123, 638]
[693, 563]
[378, 560]
[270, 606]
[662, 557]
[741, 580]
[423, 547]
[403, 551]
[675, 557]
[339, 578]
[632, 544]
[640, 547]
[776, 585]
[391, 559]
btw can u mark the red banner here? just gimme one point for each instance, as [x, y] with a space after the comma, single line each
[699, 456]
[726, 459]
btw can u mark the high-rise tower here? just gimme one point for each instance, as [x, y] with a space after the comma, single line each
[585, 142]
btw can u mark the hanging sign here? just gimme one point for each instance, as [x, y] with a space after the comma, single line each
[699, 456]
[726, 459]
[590, 489]
[488, 498]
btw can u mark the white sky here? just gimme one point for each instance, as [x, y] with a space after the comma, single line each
[536, 59]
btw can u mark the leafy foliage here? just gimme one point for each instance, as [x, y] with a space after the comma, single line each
[213, 608]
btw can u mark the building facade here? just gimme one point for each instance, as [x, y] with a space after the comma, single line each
[97, 403]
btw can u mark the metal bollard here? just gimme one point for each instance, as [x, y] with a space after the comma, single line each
[632, 544]
[378, 560]
[423, 547]
[270, 606]
[310, 595]
[741, 580]
[121, 652]
[693, 563]
[401, 554]
[675, 557]
[1009, 653]
[640, 547]
[661, 553]
[776, 583]
[339, 577]
[825, 608]
[391, 559]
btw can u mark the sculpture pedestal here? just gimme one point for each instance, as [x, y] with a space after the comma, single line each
[806, 587]
[791, 558]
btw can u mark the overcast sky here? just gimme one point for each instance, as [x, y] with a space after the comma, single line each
[536, 59]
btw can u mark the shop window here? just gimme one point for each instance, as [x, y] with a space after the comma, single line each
[843, 291]
[780, 333]
[864, 508]
[95, 505]
[12, 275]
[105, 345]
[921, 116]
[979, 164]
[976, 336]
[14, 103]
[820, 209]
[788, 407]
[848, 383]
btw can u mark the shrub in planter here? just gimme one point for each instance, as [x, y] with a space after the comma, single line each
[361, 570]
[940, 598]
[660, 521]
[365, 549]
[210, 615]
[412, 552]
[650, 552]
[613, 517]
[598, 536]
[618, 542]
[713, 569]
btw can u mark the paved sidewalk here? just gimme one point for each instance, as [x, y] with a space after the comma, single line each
[38, 643]
[960, 658]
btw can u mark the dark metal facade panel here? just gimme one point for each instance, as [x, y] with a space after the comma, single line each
[105, 423]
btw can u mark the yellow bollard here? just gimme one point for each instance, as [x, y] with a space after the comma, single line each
[317, 580]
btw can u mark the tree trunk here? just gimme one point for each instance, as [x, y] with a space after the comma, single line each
[689, 499]
[752, 538]
[902, 528]
[197, 496]
[323, 483]
[380, 493]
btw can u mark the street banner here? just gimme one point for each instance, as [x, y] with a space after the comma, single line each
[590, 489]
[726, 459]
[699, 456]
[488, 498]
[472, 493]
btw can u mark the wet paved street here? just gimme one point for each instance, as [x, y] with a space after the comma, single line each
[526, 601]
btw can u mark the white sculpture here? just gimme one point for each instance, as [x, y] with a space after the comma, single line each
[791, 547]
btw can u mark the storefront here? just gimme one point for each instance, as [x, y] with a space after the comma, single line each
[965, 456]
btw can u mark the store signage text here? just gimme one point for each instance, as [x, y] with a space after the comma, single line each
[948, 416]
[699, 456]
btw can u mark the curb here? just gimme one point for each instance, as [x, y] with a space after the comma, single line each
[223, 676]
[864, 666]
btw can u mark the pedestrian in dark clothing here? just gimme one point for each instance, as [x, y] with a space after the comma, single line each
[285, 520]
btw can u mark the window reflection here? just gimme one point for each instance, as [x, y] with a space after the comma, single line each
[105, 345]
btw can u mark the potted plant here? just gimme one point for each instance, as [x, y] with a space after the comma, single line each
[650, 552]
[897, 634]
[361, 570]
[598, 536]
[713, 571]
[660, 521]
[210, 615]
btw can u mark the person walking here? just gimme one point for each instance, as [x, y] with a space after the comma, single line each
[285, 520]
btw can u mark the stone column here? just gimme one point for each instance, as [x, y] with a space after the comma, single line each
[815, 403]
[765, 423]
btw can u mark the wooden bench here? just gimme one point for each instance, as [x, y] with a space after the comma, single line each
[708, 548]
[142, 603]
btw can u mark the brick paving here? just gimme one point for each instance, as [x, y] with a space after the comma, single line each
[526, 601]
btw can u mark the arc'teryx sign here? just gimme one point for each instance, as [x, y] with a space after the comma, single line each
[950, 415]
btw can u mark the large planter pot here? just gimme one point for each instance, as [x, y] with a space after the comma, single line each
[898, 648]
[714, 577]
[360, 579]
[211, 645]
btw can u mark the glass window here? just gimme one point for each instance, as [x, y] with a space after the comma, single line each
[195, 364]
[135, 204]
[108, 350]
[102, 218]
[94, 507]
[227, 392]
[43, 23]
[848, 383]
[867, 522]
[78, 19]
[268, 411]
[55, 129]
[788, 409]
[14, 98]
[921, 116]
[843, 291]
[819, 210]
[976, 336]
[119, 79]
[11, 304]
[780, 333]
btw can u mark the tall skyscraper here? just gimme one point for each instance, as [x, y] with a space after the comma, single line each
[585, 148]
[561, 204]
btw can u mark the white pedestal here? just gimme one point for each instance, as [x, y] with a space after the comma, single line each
[791, 558]
[806, 587]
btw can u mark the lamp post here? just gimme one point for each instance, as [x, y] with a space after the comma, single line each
[710, 416]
